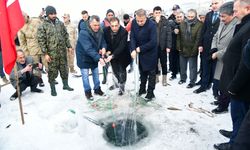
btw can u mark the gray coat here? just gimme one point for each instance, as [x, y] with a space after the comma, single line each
[220, 41]
[28, 60]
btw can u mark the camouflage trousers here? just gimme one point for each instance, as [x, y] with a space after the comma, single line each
[39, 59]
[59, 63]
[70, 58]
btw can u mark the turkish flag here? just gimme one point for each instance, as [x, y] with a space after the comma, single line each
[11, 22]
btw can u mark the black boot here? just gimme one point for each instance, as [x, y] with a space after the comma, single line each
[99, 91]
[226, 133]
[222, 146]
[89, 96]
[53, 89]
[121, 89]
[142, 91]
[66, 86]
[150, 95]
[13, 96]
[36, 90]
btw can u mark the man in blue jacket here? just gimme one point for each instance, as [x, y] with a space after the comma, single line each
[89, 46]
[143, 40]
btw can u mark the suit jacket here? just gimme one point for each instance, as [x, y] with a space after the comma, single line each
[231, 79]
[145, 37]
[220, 41]
[207, 33]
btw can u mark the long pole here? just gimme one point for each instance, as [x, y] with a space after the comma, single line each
[18, 94]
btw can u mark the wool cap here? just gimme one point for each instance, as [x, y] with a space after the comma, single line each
[110, 11]
[50, 10]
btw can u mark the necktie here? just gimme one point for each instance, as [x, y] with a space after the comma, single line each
[215, 16]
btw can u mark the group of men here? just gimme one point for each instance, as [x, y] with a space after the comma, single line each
[222, 41]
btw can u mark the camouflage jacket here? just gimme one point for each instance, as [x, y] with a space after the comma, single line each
[53, 38]
[71, 29]
[28, 37]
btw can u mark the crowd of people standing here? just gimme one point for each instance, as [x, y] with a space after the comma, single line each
[221, 39]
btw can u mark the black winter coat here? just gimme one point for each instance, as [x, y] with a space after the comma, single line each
[165, 37]
[118, 46]
[207, 33]
[145, 37]
[235, 75]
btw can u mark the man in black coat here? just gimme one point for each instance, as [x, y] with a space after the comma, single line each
[242, 141]
[143, 41]
[117, 50]
[234, 78]
[210, 27]
[164, 41]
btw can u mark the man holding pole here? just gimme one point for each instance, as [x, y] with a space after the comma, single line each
[143, 42]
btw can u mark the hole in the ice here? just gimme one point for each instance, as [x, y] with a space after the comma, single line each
[125, 132]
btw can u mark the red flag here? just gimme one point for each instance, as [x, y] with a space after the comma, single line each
[11, 21]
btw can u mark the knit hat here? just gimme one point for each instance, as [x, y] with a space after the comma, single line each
[110, 11]
[125, 16]
[175, 7]
[50, 10]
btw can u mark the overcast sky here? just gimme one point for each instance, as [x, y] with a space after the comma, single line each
[99, 7]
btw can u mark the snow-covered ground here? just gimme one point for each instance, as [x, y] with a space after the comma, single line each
[51, 125]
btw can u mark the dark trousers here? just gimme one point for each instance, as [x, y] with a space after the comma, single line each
[238, 111]
[224, 101]
[215, 87]
[174, 65]
[242, 141]
[119, 72]
[207, 71]
[162, 55]
[147, 76]
[31, 82]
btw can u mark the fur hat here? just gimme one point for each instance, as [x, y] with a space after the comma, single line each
[50, 10]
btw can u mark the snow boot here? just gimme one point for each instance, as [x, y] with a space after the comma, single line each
[66, 86]
[53, 89]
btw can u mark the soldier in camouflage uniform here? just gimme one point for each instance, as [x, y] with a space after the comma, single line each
[54, 41]
[71, 29]
[28, 43]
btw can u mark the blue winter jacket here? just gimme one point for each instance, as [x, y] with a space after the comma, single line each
[87, 47]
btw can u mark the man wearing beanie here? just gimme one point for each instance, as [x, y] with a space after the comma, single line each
[106, 23]
[54, 41]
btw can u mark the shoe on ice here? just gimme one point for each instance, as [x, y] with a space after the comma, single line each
[99, 92]
[14, 96]
[89, 96]
[36, 90]
[150, 96]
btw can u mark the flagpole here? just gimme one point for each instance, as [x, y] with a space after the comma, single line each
[18, 94]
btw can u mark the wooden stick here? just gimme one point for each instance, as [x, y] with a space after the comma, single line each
[18, 94]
